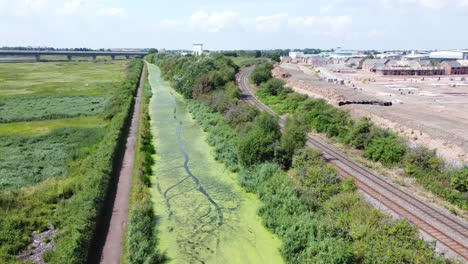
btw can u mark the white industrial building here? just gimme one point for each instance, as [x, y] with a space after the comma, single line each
[449, 55]
[296, 54]
[197, 49]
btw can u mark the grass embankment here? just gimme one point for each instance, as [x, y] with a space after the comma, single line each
[141, 236]
[320, 218]
[205, 216]
[376, 144]
[67, 169]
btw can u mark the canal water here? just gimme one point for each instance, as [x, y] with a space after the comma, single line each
[204, 215]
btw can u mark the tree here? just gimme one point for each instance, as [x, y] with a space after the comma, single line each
[258, 54]
[293, 138]
[152, 51]
[255, 147]
[261, 73]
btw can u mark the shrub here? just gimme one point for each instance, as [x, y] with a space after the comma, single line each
[273, 87]
[261, 73]
[422, 158]
[460, 179]
[387, 150]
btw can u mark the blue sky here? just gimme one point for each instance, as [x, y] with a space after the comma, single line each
[241, 24]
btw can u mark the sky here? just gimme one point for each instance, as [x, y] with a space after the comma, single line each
[240, 24]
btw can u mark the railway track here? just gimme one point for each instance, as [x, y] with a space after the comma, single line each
[449, 231]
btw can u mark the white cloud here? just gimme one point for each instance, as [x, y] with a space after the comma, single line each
[114, 12]
[70, 7]
[218, 21]
[273, 23]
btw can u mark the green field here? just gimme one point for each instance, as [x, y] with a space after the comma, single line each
[59, 124]
[59, 77]
[56, 97]
[205, 216]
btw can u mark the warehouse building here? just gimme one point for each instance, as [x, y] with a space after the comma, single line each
[449, 55]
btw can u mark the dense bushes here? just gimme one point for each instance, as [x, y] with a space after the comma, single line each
[377, 144]
[195, 76]
[261, 73]
[141, 230]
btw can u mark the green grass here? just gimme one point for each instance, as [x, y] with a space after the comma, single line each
[29, 108]
[59, 77]
[248, 61]
[191, 229]
[33, 159]
[35, 128]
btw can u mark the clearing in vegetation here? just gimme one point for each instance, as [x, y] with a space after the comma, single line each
[207, 216]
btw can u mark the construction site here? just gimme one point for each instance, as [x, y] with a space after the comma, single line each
[431, 111]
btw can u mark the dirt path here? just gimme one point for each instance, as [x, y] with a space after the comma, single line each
[112, 251]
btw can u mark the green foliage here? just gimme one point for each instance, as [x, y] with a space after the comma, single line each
[28, 108]
[220, 135]
[294, 138]
[422, 159]
[194, 76]
[273, 87]
[387, 150]
[240, 114]
[261, 73]
[460, 179]
[259, 143]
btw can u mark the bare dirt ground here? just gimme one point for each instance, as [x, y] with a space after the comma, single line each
[112, 251]
[429, 112]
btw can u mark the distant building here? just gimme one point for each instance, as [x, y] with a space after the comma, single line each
[197, 49]
[296, 54]
[452, 67]
[390, 56]
[372, 64]
[449, 55]
[340, 53]
[355, 63]
[416, 56]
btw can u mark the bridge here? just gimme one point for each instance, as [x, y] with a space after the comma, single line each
[38, 53]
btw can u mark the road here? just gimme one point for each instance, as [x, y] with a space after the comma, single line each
[450, 232]
[112, 251]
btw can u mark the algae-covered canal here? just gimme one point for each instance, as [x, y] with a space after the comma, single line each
[205, 216]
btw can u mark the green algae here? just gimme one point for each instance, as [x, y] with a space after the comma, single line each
[205, 216]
